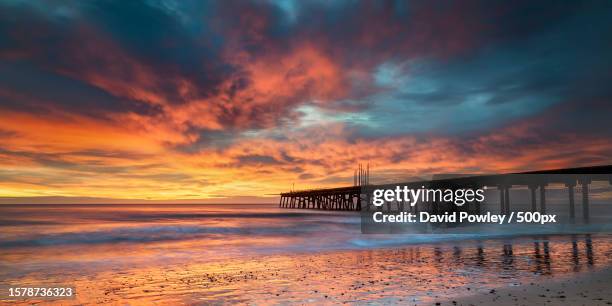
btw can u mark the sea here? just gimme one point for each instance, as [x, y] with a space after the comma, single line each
[249, 253]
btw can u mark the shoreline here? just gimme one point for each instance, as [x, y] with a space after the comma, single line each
[493, 272]
[583, 288]
[217, 255]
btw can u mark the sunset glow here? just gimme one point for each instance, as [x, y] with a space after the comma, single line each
[208, 101]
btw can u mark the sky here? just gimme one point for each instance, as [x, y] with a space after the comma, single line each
[220, 100]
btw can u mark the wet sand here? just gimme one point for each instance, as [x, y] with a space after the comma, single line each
[582, 289]
[202, 255]
[470, 272]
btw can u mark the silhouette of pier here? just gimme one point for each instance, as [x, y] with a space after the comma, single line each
[357, 197]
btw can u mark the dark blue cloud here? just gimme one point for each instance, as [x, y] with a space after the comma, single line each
[27, 88]
[435, 67]
[562, 62]
[160, 39]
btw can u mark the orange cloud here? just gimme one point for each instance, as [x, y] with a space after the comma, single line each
[77, 156]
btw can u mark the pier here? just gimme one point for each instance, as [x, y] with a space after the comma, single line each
[344, 198]
[357, 197]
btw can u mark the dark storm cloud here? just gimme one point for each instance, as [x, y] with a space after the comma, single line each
[488, 62]
[111, 39]
[258, 160]
[173, 44]
[160, 40]
[541, 74]
[209, 139]
[26, 88]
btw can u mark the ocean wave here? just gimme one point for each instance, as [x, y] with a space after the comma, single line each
[143, 234]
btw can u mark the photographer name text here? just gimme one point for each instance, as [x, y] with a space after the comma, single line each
[464, 217]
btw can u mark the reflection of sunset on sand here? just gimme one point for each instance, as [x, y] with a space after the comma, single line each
[142, 254]
[418, 274]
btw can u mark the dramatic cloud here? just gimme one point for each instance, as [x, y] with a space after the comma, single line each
[181, 99]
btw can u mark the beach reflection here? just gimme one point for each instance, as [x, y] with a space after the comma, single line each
[194, 254]
[419, 273]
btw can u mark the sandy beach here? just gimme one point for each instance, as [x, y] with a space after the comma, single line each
[426, 275]
[582, 289]
[202, 255]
